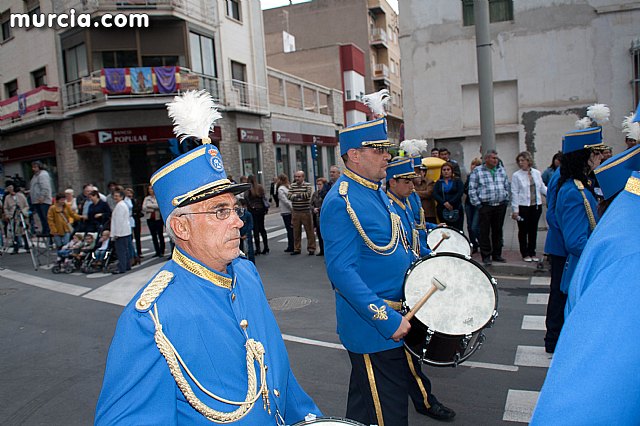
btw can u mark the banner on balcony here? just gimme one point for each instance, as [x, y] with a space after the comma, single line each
[141, 80]
[33, 100]
[167, 79]
[190, 81]
[22, 104]
[91, 85]
[115, 81]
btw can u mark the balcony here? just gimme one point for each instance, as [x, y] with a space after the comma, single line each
[380, 72]
[375, 7]
[36, 106]
[197, 10]
[378, 38]
[93, 92]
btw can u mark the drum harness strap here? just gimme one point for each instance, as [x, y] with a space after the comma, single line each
[255, 352]
[397, 233]
[587, 206]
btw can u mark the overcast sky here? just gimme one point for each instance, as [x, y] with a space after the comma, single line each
[268, 4]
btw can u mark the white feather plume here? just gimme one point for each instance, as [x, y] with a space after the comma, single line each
[599, 113]
[377, 101]
[631, 129]
[583, 123]
[193, 114]
[414, 146]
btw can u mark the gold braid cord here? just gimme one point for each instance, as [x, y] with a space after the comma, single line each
[416, 242]
[255, 352]
[587, 206]
[395, 232]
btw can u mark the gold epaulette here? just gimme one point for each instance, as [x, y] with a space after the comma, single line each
[153, 290]
[344, 187]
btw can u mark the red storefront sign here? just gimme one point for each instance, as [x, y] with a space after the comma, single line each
[36, 151]
[303, 139]
[134, 135]
[250, 135]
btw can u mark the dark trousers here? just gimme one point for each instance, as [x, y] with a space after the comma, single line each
[42, 210]
[557, 300]
[528, 229]
[316, 226]
[259, 229]
[473, 224]
[122, 251]
[491, 222]
[419, 385]
[378, 388]
[155, 229]
[136, 235]
[286, 218]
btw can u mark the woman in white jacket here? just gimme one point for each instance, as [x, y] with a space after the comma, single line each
[527, 190]
[282, 189]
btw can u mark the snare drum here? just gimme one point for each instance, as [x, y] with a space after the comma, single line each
[456, 243]
[329, 421]
[448, 329]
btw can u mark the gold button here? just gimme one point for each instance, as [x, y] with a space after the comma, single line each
[244, 324]
[276, 392]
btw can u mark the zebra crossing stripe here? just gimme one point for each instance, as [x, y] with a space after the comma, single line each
[534, 322]
[540, 281]
[538, 299]
[532, 356]
[520, 405]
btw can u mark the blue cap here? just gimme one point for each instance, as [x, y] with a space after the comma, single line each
[401, 169]
[580, 139]
[612, 175]
[193, 177]
[370, 133]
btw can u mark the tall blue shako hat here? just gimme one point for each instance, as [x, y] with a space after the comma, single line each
[613, 174]
[369, 133]
[198, 174]
[589, 131]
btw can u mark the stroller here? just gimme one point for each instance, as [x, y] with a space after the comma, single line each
[99, 260]
[72, 256]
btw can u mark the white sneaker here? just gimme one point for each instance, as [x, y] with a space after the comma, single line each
[535, 259]
[527, 259]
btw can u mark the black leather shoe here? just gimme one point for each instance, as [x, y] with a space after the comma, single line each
[486, 261]
[288, 250]
[439, 412]
[499, 259]
[293, 253]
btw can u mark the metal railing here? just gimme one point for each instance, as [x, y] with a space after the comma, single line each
[379, 35]
[380, 71]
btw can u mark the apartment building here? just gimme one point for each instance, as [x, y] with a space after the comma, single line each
[99, 113]
[551, 60]
[351, 46]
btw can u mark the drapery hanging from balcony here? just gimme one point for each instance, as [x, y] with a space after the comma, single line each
[167, 79]
[115, 81]
[142, 80]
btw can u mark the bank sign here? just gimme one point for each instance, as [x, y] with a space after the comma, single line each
[128, 136]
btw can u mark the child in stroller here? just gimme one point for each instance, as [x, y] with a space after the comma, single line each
[72, 254]
[99, 259]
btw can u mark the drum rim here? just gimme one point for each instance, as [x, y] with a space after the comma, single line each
[492, 281]
[323, 418]
[453, 229]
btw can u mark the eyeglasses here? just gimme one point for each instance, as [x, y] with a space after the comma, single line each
[379, 149]
[223, 213]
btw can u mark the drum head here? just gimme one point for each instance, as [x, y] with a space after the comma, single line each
[466, 304]
[329, 421]
[456, 243]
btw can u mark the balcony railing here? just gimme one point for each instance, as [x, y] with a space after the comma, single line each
[92, 91]
[38, 104]
[379, 36]
[289, 91]
[380, 71]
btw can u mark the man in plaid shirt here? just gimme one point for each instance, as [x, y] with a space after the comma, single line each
[489, 190]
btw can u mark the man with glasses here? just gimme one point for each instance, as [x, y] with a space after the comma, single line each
[367, 254]
[199, 343]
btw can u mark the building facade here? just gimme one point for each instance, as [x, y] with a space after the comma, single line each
[350, 46]
[99, 115]
[551, 60]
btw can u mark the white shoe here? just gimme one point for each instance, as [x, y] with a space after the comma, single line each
[535, 259]
[527, 259]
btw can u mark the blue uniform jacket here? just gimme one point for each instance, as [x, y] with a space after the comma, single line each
[202, 320]
[593, 378]
[416, 207]
[554, 243]
[574, 225]
[362, 278]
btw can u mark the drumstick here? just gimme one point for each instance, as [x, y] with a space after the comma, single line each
[445, 236]
[435, 286]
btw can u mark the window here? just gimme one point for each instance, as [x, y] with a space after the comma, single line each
[75, 62]
[392, 65]
[499, 10]
[11, 89]
[160, 61]
[234, 9]
[203, 60]
[635, 60]
[6, 25]
[239, 78]
[32, 7]
[119, 59]
[39, 77]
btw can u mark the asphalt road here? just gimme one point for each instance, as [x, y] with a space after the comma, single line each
[54, 341]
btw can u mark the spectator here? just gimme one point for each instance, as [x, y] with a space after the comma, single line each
[121, 231]
[71, 247]
[316, 204]
[246, 237]
[527, 189]
[555, 163]
[445, 155]
[154, 221]
[334, 175]
[285, 210]
[424, 188]
[258, 207]
[103, 245]
[134, 220]
[448, 192]
[59, 219]
[471, 211]
[111, 187]
[489, 191]
[70, 200]
[273, 195]
[40, 192]
[14, 203]
[300, 197]
[99, 213]
[607, 153]
[435, 152]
